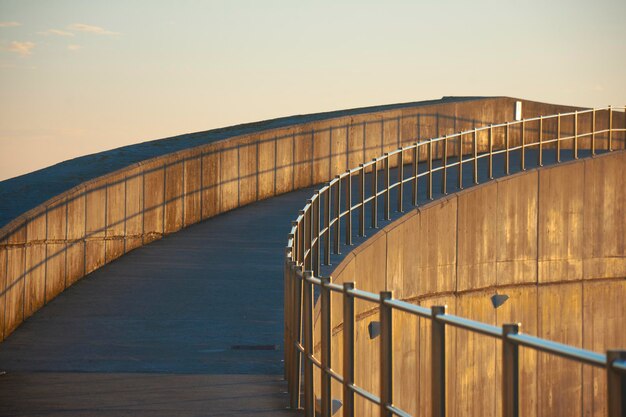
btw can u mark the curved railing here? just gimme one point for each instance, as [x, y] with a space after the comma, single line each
[318, 228]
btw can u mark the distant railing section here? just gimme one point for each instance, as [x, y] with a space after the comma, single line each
[310, 242]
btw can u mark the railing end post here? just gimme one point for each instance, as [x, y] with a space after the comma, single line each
[510, 371]
[348, 349]
[386, 354]
[326, 341]
[438, 362]
[616, 384]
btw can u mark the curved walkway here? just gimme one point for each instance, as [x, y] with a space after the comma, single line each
[188, 325]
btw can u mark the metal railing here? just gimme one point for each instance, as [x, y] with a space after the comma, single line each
[310, 242]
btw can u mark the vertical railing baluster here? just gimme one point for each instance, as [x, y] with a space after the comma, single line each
[303, 237]
[416, 160]
[438, 362]
[576, 134]
[296, 369]
[429, 189]
[510, 372]
[387, 190]
[327, 207]
[490, 140]
[348, 349]
[296, 241]
[558, 137]
[386, 354]
[337, 202]
[523, 142]
[374, 205]
[289, 335]
[309, 238]
[317, 255]
[309, 396]
[616, 385]
[610, 128]
[444, 172]
[507, 166]
[286, 321]
[593, 132]
[475, 137]
[400, 181]
[325, 304]
[287, 313]
[362, 196]
[540, 156]
[349, 208]
[460, 179]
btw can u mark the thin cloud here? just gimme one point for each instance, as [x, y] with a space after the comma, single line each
[20, 48]
[13, 66]
[56, 32]
[96, 30]
[74, 47]
[9, 24]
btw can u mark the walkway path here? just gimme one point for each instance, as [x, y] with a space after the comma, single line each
[189, 325]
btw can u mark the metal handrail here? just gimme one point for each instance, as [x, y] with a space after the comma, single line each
[310, 236]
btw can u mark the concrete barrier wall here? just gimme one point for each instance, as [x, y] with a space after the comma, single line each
[47, 249]
[552, 239]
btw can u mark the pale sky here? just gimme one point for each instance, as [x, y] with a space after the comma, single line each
[78, 77]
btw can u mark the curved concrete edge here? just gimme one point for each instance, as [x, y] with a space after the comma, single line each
[551, 238]
[47, 249]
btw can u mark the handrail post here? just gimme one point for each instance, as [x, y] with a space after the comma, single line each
[475, 157]
[326, 340]
[400, 181]
[287, 313]
[362, 195]
[616, 385]
[490, 140]
[507, 169]
[387, 191]
[510, 372]
[540, 156]
[386, 354]
[576, 134]
[316, 229]
[303, 240]
[327, 227]
[348, 349]
[337, 202]
[349, 208]
[610, 128]
[296, 242]
[309, 397]
[296, 368]
[416, 160]
[444, 172]
[374, 205]
[438, 362]
[430, 170]
[593, 132]
[460, 160]
[309, 237]
[523, 142]
[558, 137]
